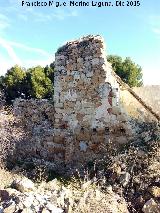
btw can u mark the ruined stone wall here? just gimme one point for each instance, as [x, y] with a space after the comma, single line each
[2, 99]
[88, 115]
[92, 108]
[37, 118]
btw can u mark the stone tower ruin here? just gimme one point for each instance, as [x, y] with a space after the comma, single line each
[93, 108]
[87, 101]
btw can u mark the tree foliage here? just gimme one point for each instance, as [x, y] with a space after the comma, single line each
[127, 70]
[12, 82]
[41, 85]
[36, 82]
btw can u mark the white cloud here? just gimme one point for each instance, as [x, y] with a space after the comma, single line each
[27, 48]
[23, 17]
[54, 13]
[154, 21]
[5, 64]
[151, 74]
[37, 15]
[12, 59]
[10, 51]
[41, 62]
[4, 23]
[3, 17]
[156, 31]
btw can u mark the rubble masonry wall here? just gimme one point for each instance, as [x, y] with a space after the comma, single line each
[91, 108]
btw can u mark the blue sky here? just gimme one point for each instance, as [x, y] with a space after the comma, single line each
[30, 36]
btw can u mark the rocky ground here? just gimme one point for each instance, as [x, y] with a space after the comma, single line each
[76, 196]
[20, 194]
[127, 180]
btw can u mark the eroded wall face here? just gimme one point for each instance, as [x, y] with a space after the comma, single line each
[92, 109]
[86, 101]
[37, 119]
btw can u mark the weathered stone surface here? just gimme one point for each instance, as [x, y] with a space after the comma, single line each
[86, 106]
[27, 210]
[124, 178]
[4, 195]
[92, 108]
[10, 209]
[37, 118]
[1, 209]
[56, 198]
[23, 185]
[155, 191]
[30, 201]
[151, 206]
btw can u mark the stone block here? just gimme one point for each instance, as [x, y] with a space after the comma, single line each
[98, 138]
[83, 136]
[68, 78]
[121, 140]
[100, 131]
[95, 61]
[83, 146]
[151, 206]
[69, 104]
[80, 116]
[24, 185]
[155, 191]
[49, 138]
[59, 139]
[59, 105]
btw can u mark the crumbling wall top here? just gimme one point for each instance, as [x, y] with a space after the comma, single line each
[82, 42]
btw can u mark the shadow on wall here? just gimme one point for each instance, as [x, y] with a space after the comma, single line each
[24, 139]
[37, 117]
[23, 156]
[32, 138]
[12, 135]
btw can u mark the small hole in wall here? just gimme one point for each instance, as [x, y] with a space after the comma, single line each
[107, 129]
[63, 126]
[82, 128]
[37, 152]
[45, 115]
[94, 130]
[122, 130]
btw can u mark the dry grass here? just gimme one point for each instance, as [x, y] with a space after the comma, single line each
[85, 196]
[6, 178]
